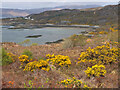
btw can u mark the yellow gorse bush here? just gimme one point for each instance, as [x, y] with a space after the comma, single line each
[99, 55]
[50, 56]
[74, 82]
[41, 64]
[92, 33]
[60, 60]
[113, 30]
[96, 70]
[103, 32]
[85, 86]
[13, 57]
[100, 32]
[24, 59]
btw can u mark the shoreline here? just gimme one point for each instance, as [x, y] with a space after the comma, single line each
[59, 26]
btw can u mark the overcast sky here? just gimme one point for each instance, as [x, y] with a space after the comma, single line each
[30, 4]
[60, 0]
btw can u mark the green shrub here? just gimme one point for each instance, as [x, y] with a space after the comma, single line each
[6, 59]
[113, 36]
[28, 53]
[67, 43]
[34, 44]
[26, 42]
[75, 40]
[0, 56]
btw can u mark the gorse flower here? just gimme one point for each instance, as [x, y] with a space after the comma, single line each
[103, 32]
[41, 64]
[50, 56]
[85, 86]
[60, 60]
[24, 59]
[99, 55]
[96, 70]
[74, 82]
[13, 57]
[113, 30]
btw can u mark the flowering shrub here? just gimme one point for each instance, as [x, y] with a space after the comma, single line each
[24, 59]
[85, 86]
[13, 57]
[93, 33]
[96, 70]
[103, 32]
[28, 53]
[113, 30]
[7, 58]
[41, 64]
[50, 56]
[116, 43]
[99, 55]
[72, 82]
[59, 60]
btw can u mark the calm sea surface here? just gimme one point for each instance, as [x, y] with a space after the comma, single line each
[48, 34]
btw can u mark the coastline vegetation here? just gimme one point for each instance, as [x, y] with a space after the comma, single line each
[7, 58]
[93, 63]
[81, 61]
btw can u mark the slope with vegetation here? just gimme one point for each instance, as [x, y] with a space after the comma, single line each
[93, 64]
[97, 16]
[77, 62]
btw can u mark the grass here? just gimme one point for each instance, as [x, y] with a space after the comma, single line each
[113, 36]
[74, 40]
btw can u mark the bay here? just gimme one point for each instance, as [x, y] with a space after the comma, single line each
[49, 34]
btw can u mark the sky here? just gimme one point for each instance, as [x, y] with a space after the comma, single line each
[60, 0]
[31, 4]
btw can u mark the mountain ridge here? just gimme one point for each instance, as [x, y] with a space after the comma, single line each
[10, 13]
[93, 16]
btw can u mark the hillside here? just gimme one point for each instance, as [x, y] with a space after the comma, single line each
[107, 14]
[92, 64]
[82, 61]
[9, 13]
[92, 16]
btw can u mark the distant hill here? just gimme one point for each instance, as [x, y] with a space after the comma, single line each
[78, 6]
[101, 15]
[10, 13]
[91, 16]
